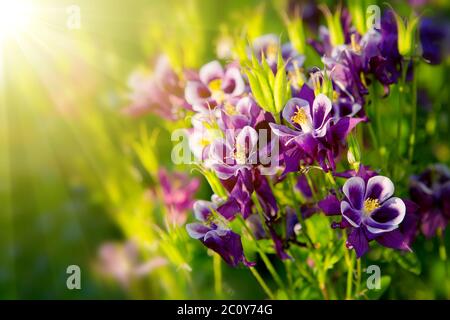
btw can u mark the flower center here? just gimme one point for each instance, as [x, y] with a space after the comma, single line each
[230, 109]
[272, 51]
[215, 86]
[355, 45]
[370, 205]
[299, 117]
[240, 156]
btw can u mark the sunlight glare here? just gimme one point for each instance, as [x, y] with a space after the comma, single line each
[15, 16]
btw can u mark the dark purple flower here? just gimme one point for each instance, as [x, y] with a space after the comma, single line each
[178, 191]
[307, 122]
[213, 232]
[431, 191]
[370, 212]
[434, 38]
[214, 86]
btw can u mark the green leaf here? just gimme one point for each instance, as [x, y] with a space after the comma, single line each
[375, 294]
[408, 261]
[256, 90]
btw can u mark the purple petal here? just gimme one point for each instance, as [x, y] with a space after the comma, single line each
[394, 239]
[351, 215]
[221, 152]
[379, 187]
[211, 71]
[391, 212]
[354, 191]
[197, 230]
[233, 83]
[308, 143]
[202, 209]
[229, 209]
[431, 221]
[358, 241]
[330, 205]
[292, 107]
[196, 93]
[321, 110]
[248, 140]
[225, 171]
[343, 127]
[306, 93]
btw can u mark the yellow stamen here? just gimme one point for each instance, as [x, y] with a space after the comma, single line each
[230, 109]
[355, 45]
[299, 117]
[272, 51]
[240, 156]
[215, 85]
[370, 205]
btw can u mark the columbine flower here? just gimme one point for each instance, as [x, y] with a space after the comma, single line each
[431, 191]
[214, 86]
[213, 232]
[229, 158]
[370, 212]
[159, 92]
[121, 262]
[245, 112]
[178, 192]
[306, 121]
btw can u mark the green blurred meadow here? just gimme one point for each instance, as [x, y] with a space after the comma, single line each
[70, 179]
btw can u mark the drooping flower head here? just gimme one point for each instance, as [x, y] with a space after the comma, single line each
[213, 232]
[178, 194]
[431, 191]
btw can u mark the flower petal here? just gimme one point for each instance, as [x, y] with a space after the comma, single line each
[394, 239]
[351, 215]
[202, 209]
[197, 230]
[321, 109]
[211, 71]
[292, 107]
[358, 241]
[379, 187]
[354, 191]
[330, 205]
[391, 212]
[233, 83]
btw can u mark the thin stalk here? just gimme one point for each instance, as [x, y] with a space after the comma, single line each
[358, 276]
[297, 211]
[412, 137]
[401, 89]
[442, 249]
[264, 257]
[349, 259]
[217, 275]
[262, 283]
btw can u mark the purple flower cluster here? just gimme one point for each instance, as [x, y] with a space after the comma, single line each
[259, 119]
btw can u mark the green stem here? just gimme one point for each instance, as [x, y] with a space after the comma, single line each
[358, 276]
[442, 249]
[262, 283]
[264, 257]
[412, 137]
[217, 275]
[349, 259]
[401, 91]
